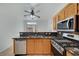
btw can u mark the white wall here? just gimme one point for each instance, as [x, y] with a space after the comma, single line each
[42, 25]
[11, 23]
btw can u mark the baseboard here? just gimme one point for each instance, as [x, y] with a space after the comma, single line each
[20, 54]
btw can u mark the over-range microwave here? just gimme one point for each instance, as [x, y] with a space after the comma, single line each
[69, 24]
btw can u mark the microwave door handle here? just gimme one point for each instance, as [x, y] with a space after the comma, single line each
[68, 24]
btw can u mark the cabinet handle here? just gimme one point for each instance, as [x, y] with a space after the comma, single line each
[70, 35]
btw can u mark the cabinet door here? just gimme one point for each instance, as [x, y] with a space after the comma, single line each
[38, 46]
[54, 22]
[71, 10]
[78, 8]
[69, 53]
[30, 46]
[46, 46]
[61, 16]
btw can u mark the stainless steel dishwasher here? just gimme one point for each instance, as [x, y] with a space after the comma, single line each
[20, 47]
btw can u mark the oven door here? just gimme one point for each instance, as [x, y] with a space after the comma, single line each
[57, 49]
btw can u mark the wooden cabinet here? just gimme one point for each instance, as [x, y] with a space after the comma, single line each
[78, 8]
[70, 10]
[30, 46]
[69, 54]
[61, 15]
[47, 46]
[54, 22]
[38, 46]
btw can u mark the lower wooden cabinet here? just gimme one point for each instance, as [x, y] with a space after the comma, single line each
[69, 54]
[46, 46]
[38, 46]
[30, 46]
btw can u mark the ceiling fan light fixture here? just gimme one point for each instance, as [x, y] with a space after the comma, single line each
[32, 16]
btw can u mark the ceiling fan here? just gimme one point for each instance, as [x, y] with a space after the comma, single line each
[32, 13]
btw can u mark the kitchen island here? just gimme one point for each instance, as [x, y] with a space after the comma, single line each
[33, 45]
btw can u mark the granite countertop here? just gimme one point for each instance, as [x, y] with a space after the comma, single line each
[30, 37]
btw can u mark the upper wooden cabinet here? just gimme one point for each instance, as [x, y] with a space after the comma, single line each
[78, 8]
[61, 15]
[54, 22]
[70, 10]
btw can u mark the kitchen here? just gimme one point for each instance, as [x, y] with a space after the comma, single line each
[57, 37]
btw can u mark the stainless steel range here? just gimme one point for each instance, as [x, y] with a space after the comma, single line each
[61, 44]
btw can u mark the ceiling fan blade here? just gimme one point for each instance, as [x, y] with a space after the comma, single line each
[37, 16]
[26, 11]
[26, 15]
